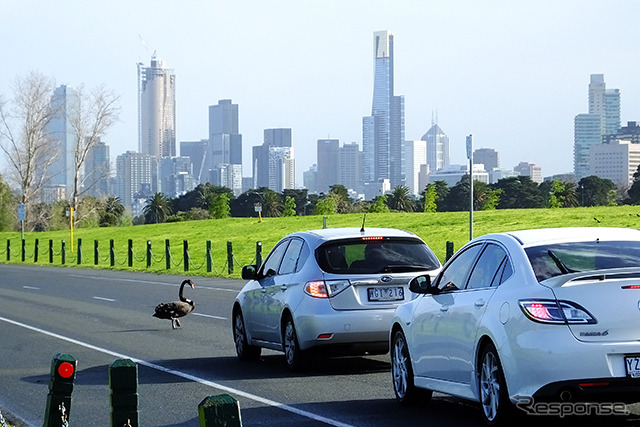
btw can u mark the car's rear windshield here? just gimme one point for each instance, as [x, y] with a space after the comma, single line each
[562, 258]
[381, 255]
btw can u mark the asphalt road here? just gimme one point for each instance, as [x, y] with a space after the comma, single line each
[99, 316]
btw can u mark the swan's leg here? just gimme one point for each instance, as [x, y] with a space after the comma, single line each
[173, 323]
[178, 323]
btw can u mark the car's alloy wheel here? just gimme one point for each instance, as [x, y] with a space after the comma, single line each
[494, 398]
[402, 373]
[294, 357]
[243, 349]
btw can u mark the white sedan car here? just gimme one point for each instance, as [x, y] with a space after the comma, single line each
[520, 318]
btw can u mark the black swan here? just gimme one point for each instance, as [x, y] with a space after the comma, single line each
[175, 309]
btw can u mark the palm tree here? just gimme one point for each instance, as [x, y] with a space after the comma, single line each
[272, 203]
[401, 199]
[157, 209]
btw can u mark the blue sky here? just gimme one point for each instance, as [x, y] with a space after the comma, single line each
[514, 74]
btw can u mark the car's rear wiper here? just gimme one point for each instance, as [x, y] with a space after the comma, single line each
[561, 265]
[399, 268]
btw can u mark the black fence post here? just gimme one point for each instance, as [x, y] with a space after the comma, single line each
[50, 251]
[63, 252]
[112, 253]
[209, 259]
[130, 253]
[8, 249]
[35, 251]
[220, 410]
[79, 251]
[148, 253]
[24, 250]
[95, 252]
[258, 254]
[185, 254]
[230, 257]
[63, 373]
[123, 381]
[449, 249]
[167, 253]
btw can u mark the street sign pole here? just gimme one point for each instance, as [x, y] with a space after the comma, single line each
[21, 217]
[470, 157]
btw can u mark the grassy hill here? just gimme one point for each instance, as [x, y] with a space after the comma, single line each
[435, 228]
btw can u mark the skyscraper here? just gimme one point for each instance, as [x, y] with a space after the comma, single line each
[280, 137]
[156, 109]
[383, 130]
[97, 170]
[328, 158]
[489, 157]
[62, 170]
[225, 144]
[416, 155]
[437, 148]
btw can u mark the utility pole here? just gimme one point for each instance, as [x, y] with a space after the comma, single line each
[470, 157]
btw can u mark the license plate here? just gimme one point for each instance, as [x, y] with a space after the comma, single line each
[632, 364]
[386, 294]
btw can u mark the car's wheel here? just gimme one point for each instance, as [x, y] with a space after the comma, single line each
[494, 397]
[293, 355]
[244, 350]
[402, 373]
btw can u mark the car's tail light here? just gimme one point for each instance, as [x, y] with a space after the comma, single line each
[547, 311]
[326, 289]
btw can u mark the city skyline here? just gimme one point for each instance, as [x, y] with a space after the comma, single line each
[512, 75]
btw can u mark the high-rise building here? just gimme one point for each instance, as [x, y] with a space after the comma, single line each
[280, 137]
[156, 109]
[198, 152]
[350, 167]
[593, 128]
[488, 157]
[281, 169]
[62, 170]
[328, 158]
[531, 170]
[134, 175]
[177, 175]
[225, 144]
[416, 156]
[97, 170]
[383, 130]
[437, 148]
[616, 161]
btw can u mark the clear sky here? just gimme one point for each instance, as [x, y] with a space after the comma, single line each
[512, 73]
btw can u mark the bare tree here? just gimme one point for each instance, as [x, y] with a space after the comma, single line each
[90, 117]
[25, 137]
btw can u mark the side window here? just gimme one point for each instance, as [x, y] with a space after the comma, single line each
[271, 265]
[487, 267]
[454, 275]
[290, 259]
[505, 273]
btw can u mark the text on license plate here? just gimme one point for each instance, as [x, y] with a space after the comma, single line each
[633, 366]
[386, 294]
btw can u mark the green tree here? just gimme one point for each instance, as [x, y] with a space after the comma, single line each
[7, 205]
[379, 205]
[430, 198]
[492, 200]
[556, 194]
[400, 199]
[596, 191]
[519, 192]
[220, 206]
[289, 206]
[326, 206]
[157, 209]
[340, 195]
[111, 212]
[271, 203]
[634, 190]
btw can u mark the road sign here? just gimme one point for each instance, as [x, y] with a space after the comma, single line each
[21, 212]
[257, 207]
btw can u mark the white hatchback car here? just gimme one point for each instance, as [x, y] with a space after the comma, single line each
[526, 317]
[332, 290]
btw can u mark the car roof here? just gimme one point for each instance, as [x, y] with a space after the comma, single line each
[327, 234]
[534, 237]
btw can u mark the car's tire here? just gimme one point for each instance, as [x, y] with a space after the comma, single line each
[294, 357]
[402, 373]
[244, 350]
[497, 408]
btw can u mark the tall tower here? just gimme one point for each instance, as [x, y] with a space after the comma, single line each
[383, 131]
[437, 148]
[328, 163]
[62, 170]
[264, 156]
[156, 110]
[225, 144]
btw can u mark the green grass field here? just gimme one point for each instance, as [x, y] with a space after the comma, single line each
[435, 228]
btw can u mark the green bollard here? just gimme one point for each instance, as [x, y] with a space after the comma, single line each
[50, 251]
[112, 253]
[8, 250]
[230, 258]
[123, 381]
[96, 254]
[24, 250]
[258, 255]
[149, 254]
[218, 411]
[63, 373]
[185, 254]
[209, 258]
[35, 252]
[63, 252]
[167, 254]
[79, 251]
[130, 253]
[449, 249]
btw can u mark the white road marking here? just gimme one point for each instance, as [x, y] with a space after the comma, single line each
[31, 287]
[149, 282]
[105, 299]
[208, 315]
[186, 376]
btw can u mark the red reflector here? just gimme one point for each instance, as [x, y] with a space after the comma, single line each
[65, 370]
[372, 238]
[324, 336]
[594, 384]
[631, 287]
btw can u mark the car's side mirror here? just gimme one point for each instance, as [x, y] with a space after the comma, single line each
[422, 285]
[249, 272]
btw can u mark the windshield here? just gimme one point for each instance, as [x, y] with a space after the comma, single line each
[386, 255]
[562, 258]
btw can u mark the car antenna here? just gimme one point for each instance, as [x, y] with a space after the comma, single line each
[363, 218]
